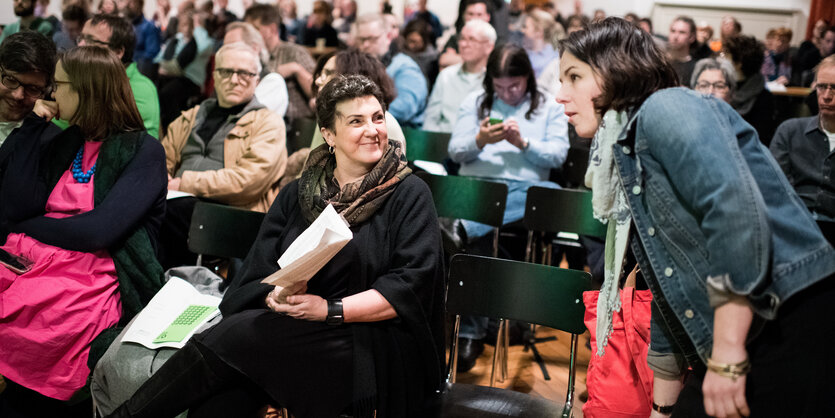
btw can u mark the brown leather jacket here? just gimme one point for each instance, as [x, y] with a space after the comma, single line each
[254, 160]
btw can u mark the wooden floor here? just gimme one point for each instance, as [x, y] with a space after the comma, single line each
[524, 375]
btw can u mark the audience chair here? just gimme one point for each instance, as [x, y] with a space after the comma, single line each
[300, 134]
[554, 211]
[574, 167]
[471, 199]
[507, 289]
[222, 231]
[426, 145]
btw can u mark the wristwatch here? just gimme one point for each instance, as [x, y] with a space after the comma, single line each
[335, 316]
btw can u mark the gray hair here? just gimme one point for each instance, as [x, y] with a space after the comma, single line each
[485, 29]
[715, 64]
[252, 37]
[240, 46]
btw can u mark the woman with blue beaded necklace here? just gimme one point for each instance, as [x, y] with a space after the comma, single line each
[83, 206]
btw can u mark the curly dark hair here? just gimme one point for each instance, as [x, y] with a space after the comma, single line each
[747, 51]
[625, 58]
[341, 88]
[509, 60]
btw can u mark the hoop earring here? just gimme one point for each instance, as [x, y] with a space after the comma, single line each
[330, 149]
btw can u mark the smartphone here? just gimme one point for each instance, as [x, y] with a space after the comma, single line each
[495, 121]
[15, 263]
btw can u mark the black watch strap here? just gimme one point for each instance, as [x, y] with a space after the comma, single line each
[666, 410]
[335, 316]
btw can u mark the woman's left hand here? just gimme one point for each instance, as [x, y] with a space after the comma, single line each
[725, 396]
[305, 306]
[512, 134]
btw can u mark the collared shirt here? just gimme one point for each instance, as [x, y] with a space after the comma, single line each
[410, 103]
[6, 128]
[541, 59]
[805, 153]
[452, 86]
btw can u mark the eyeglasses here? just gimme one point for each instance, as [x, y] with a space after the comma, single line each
[90, 40]
[12, 83]
[363, 39]
[822, 88]
[472, 40]
[706, 85]
[243, 75]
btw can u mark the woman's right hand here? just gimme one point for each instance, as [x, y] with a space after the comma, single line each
[46, 109]
[489, 134]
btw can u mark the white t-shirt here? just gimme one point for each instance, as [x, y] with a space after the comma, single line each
[6, 128]
[831, 136]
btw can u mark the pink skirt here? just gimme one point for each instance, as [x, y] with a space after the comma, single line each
[50, 315]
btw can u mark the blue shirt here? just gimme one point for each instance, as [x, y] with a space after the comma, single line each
[410, 103]
[196, 69]
[147, 39]
[541, 59]
[546, 132]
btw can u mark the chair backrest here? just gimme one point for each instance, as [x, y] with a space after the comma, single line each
[467, 198]
[426, 145]
[575, 165]
[507, 289]
[300, 134]
[561, 210]
[222, 231]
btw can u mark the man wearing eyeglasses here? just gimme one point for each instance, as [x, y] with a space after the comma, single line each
[372, 37]
[230, 150]
[457, 81]
[117, 34]
[805, 148]
[27, 63]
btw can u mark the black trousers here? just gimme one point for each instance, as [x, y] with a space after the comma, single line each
[792, 362]
[195, 379]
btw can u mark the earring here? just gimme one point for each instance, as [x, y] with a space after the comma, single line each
[330, 149]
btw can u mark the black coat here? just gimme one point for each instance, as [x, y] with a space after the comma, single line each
[309, 367]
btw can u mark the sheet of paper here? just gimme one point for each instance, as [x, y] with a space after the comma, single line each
[311, 250]
[163, 311]
[174, 194]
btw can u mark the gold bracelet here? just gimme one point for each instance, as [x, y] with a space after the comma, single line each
[732, 371]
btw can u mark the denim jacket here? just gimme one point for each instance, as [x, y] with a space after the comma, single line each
[714, 216]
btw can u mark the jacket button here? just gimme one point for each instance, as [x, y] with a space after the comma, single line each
[636, 190]
[689, 314]
[626, 150]
[651, 231]
[668, 271]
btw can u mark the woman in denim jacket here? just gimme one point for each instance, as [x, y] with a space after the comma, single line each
[740, 273]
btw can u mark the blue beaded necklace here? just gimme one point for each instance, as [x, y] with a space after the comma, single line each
[79, 175]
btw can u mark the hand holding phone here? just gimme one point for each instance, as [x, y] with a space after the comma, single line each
[17, 264]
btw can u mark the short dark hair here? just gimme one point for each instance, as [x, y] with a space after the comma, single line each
[341, 88]
[508, 60]
[121, 36]
[29, 52]
[264, 14]
[747, 51]
[646, 20]
[422, 28]
[689, 21]
[462, 8]
[75, 13]
[625, 58]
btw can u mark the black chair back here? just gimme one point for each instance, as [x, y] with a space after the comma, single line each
[561, 210]
[222, 231]
[300, 134]
[468, 198]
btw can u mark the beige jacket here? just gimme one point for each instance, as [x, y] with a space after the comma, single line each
[254, 160]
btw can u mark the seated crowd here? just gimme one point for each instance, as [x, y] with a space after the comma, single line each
[113, 126]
